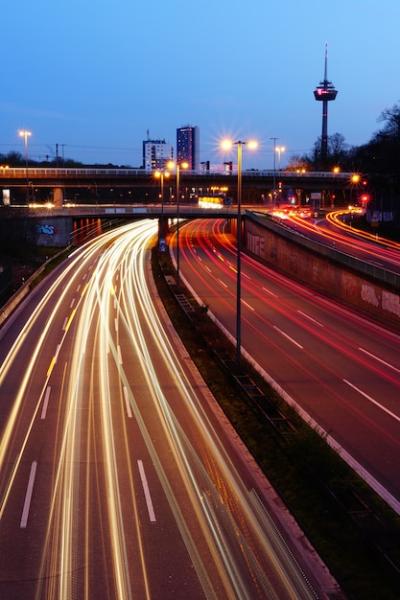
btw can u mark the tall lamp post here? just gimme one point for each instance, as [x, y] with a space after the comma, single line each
[25, 134]
[279, 150]
[274, 171]
[227, 145]
[160, 175]
[178, 166]
[354, 181]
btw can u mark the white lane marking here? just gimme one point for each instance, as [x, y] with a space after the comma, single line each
[72, 303]
[149, 503]
[45, 402]
[127, 403]
[288, 337]
[222, 283]
[248, 305]
[84, 277]
[269, 292]
[78, 288]
[57, 351]
[28, 496]
[115, 304]
[380, 360]
[245, 275]
[116, 324]
[208, 269]
[200, 259]
[310, 318]
[119, 355]
[65, 323]
[386, 410]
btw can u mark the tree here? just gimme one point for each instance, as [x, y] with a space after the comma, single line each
[338, 152]
[391, 119]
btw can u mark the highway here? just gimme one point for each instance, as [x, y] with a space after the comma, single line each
[117, 480]
[340, 369]
[336, 232]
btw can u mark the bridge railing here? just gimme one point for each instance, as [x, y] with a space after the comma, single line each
[32, 172]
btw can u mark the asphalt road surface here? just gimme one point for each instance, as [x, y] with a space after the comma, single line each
[340, 368]
[116, 480]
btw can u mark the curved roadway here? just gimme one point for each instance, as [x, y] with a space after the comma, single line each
[339, 234]
[341, 369]
[116, 481]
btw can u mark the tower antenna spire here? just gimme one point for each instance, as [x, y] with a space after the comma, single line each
[325, 92]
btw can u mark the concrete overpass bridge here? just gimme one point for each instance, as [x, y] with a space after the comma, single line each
[59, 226]
[127, 185]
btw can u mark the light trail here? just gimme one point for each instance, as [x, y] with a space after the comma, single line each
[348, 239]
[124, 376]
[338, 345]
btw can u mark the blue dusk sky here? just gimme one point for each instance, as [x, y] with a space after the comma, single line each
[96, 75]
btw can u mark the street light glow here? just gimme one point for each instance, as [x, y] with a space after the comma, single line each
[355, 178]
[252, 144]
[171, 164]
[24, 133]
[226, 144]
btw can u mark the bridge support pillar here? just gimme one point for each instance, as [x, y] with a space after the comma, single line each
[58, 197]
[163, 227]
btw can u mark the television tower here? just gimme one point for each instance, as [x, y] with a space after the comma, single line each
[325, 92]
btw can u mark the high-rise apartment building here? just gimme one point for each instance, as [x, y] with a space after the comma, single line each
[187, 146]
[156, 153]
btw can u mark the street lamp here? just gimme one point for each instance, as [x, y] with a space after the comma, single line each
[227, 144]
[25, 134]
[178, 166]
[279, 150]
[160, 175]
[354, 181]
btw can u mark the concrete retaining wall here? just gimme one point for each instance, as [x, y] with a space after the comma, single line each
[51, 231]
[324, 273]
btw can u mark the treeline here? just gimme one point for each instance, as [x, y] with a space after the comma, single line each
[16, 159]
[379, 157]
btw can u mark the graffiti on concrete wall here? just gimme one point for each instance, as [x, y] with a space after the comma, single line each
[368, 294]
[391, 302]
[43, 229]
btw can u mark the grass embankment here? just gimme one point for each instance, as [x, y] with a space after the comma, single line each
[339, 514]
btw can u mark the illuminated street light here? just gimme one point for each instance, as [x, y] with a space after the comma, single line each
[354, 180]
[178, 166]
[228, 144]
[279, 150]
[25, 134]
[336, 170]
[160, 175]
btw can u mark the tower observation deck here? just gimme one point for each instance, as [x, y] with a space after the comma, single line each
[325, 92]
